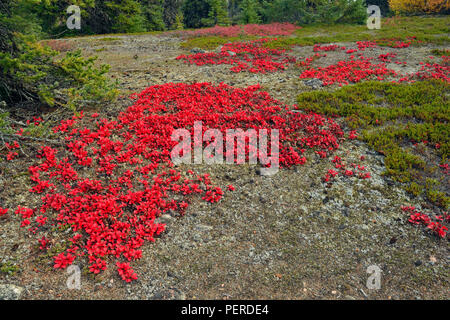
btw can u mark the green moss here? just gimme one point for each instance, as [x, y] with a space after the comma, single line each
[414, 188]
[440, 52]
[9, 268]
[393, 119]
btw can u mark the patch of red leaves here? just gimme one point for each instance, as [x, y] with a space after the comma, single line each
[244, 56]
[418, 218]
[115, 177]
[272, 29]
[351, 71]
[331, 47]
[343, 169]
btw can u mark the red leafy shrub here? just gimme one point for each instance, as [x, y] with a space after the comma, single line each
[59, 45]
[115, 177]
[435, 70]
[344, 170]
[272, 29]
[351, 71]
[418, 218]
[396, 43]
[387, 57]
[308, 61]
[331, 47]
[249, 56]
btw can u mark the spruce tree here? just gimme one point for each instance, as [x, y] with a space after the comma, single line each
[249, 13]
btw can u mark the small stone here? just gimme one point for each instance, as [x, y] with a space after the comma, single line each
[314, 83]
[418, 263]
[165, 218]
[10, 292]
[197, 50]
[202, 227]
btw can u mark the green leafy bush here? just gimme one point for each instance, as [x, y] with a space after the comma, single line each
[31, 73]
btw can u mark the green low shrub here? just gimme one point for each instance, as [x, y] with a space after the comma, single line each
[408, 123]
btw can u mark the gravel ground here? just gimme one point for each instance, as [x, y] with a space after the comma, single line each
[288, 236]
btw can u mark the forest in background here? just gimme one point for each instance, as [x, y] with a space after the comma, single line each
[47, 18]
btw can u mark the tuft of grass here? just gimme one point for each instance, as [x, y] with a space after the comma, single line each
[440, 52]
[408, 123]
[8, 268]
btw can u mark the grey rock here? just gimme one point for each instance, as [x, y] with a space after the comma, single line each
[165, 218]
[169, 294]
[314, 83]
[202, 227]
[10, 292]
[197, 50]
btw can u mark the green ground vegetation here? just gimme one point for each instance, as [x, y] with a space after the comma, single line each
[408, 123]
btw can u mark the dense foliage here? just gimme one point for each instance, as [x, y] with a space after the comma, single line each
[31, 72]
[420, 6]
[49, 17]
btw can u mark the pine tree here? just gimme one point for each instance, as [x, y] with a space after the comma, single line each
[217, 15]
[125, 15]
[248, 12]
[171, 8]
[194, 11]
[153, 13]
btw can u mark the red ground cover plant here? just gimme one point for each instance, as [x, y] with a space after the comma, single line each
[331, 47]
[361, 68]
[350, 71]
[397, 43]
[435, 70]
[434, 225]
[344, 169]
[244, 56]
[113, 178]
[272, 29]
